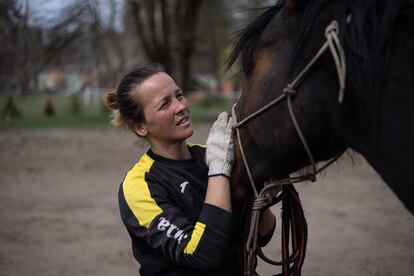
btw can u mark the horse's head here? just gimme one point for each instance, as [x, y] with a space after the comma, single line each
[274, 49]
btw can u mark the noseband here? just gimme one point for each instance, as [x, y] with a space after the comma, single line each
[265, 197]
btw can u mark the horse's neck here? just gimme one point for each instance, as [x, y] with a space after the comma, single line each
[386, 136]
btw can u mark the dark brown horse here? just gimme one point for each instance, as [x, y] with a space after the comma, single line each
[376, 116]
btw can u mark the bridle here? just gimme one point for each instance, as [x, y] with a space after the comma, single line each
[292, 213]
[264, 197]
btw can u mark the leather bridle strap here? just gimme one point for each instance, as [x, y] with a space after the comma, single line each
[332, 42]
[262, 198]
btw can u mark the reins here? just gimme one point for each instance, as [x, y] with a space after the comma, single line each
[293, 219]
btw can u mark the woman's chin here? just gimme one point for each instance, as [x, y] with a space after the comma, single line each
[189, 133]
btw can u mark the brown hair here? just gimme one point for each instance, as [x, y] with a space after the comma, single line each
[127, 108]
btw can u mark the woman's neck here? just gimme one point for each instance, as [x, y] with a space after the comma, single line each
[177, 151]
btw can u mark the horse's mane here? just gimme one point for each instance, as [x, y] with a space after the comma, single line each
[365, 40]
[248, 36]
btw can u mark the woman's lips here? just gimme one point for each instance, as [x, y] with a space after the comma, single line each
[183, 121]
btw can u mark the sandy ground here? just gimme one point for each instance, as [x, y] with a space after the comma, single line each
[59, 214]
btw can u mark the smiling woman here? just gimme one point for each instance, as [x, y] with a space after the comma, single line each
[166, 113]
[175, 202]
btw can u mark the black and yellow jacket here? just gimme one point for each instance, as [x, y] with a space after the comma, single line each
[173, 231]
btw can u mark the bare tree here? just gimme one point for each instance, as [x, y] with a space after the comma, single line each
[15, 48]
[77, 35]
[105, 47]
[26, 48]
[167, 32]
[114, 41]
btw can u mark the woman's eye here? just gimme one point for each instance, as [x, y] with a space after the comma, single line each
[164, 105]
[180, 95]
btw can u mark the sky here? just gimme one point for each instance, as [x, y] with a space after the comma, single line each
[45, 11]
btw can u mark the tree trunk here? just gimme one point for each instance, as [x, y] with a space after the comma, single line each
[186, 19]
[160, 24]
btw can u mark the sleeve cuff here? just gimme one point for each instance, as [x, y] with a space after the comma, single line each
[217, 218]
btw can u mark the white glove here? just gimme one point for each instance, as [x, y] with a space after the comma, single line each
[220, 146]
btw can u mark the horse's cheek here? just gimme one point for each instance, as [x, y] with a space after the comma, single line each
[238, 191]
[237, 185]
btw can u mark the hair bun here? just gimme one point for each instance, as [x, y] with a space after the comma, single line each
[110, 99]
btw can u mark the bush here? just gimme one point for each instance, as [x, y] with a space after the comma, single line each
[211, 102]
[10, 108]
[75, 104]
[104, 109]
[49, 110]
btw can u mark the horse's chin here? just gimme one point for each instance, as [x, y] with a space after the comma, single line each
[239, 181]
[239, 190]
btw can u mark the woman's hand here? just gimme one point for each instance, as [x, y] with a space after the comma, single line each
[220, 158]
[220, 147]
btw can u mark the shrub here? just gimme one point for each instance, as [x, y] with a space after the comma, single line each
[10, 108]
[49, 110]
[75, 104]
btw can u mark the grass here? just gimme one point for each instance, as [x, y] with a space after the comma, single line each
[94, 116]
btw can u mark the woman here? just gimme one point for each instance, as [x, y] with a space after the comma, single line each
[176, 208]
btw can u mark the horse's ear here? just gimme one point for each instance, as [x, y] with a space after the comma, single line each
[291, 3]
[294, 4]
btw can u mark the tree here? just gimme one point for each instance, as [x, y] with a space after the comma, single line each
[25, 48]
[77, 35]
[215, 30]
[17, 42]
[167, 32]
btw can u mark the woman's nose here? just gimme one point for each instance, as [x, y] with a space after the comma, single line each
[181, 105]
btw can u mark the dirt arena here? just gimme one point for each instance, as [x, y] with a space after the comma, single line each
[59, 214]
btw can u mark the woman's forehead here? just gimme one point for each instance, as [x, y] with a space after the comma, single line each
[156, 87]
[160, 82]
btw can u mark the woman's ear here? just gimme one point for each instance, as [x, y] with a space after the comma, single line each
[139, 129]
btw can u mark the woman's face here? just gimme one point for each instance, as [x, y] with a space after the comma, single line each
[166, 111]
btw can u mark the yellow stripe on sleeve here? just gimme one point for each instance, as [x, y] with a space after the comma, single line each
[195, 238]
[137, 194]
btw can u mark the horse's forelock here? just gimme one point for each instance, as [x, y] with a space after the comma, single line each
[247, 38]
